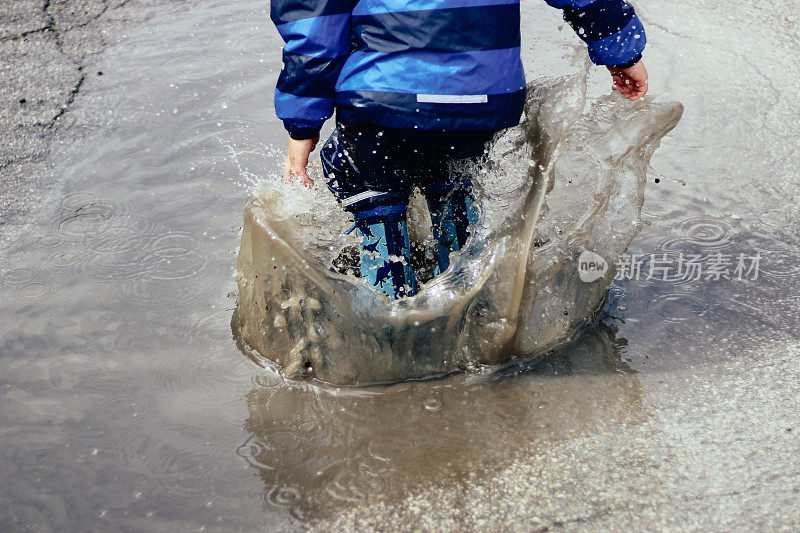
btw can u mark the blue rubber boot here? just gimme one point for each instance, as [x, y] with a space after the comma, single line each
[452, 210]
[386, 251]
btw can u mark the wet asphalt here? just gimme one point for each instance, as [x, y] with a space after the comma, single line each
[48, 49]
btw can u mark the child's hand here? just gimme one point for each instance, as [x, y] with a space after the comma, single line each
[297, 160]
[631, 81]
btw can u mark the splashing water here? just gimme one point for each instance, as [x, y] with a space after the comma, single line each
[578, 170]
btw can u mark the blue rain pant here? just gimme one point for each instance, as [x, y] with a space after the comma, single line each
[372, 171]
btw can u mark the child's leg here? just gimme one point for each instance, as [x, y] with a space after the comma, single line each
[452, 208]
[386, 253]
[448, 192]
[373, 183]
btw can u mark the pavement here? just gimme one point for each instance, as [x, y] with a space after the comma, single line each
[47, 50]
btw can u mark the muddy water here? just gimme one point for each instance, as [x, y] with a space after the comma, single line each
[514, 288]
[125, 400]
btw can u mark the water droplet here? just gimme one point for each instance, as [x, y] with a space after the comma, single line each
[432, 404]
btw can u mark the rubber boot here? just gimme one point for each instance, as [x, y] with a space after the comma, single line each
[386, 251]
[451, 213]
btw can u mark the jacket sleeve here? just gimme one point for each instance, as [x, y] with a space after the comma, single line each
[317, 36]
[610, 28]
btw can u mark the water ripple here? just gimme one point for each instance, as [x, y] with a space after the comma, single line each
[66, 260]
[781, 219]
[35, 290]
[172, 257]
[51, 241]
[701, 231]
[781, 263]
[86, 220]
[671, 307]
[254, 450]
[282, 496]
[20, 275]
[121, 410]
[149, 296]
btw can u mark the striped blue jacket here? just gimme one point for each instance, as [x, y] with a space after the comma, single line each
[427, 64]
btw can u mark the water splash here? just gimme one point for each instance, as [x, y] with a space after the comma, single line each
[513, 288]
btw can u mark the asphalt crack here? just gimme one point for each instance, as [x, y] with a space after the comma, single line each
[79, 61]
[72, 95]
[49, 60]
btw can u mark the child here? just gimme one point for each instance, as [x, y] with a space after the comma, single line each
[417, 85]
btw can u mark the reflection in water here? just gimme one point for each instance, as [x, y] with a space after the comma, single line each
[317, 447]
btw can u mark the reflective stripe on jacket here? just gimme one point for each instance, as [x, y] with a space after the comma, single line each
[426, 64]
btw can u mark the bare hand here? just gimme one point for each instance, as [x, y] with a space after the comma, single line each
[631, 82]
[297, 160]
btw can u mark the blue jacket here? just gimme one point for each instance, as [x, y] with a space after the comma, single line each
[427, 64]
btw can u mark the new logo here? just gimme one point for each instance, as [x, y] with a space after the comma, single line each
[591, 266]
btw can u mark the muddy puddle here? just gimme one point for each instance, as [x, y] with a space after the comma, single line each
[126, 402]
[566, 184]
